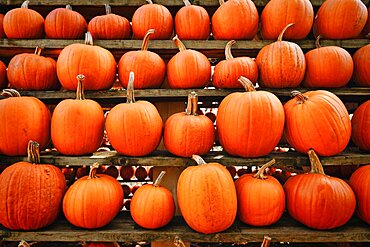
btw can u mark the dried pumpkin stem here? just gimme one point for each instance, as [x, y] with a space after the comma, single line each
[68, 6]
[144, 46]
[266, 241]
[317, 42]
[316, 166]
[221, 1]
[260, 172]
[25, 5]
[88, 39]
[108, 9]
[38, 50]
[130, 89]
[178, 242]
[93, 170]
[10, 93]
[189, 105]
[179, 44]
[280, 38]
[247, 84]
[149, 1]
[187, 2]
[159, 178]
[228, 54]
[198, 159]
[33, 152]
[80, 87]
[300, 96]
[194, 103]
[23, 243]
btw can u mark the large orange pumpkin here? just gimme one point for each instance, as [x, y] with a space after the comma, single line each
[206, 196]
[96, 63]
[235, 19]
[340, 19]
[152, 16]
[279, 13]
[318, 120]
[317, 200]
[22, 119]
[361, 126]
[30, 193]
[3, 82]
[188, 68]
[148, 67]
[366, 30]
[192, 22]
[360, 183]
[77, 126]
[28, 71]
[64, 23]
[281, 64]
[2, 33]
[134, 128]
[152, 205]
[109, 26]
[361, 74]
[101, 244]
[250, 124]
[188, 133]
[23, 23]
[329, 67]
[261, 199]
[227, 72]
[93, 201]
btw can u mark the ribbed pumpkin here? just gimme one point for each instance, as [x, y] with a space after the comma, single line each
[2, 33]
[29, 71]
[361, 74]
[77, 125]
[318, 120]
[261, 199]
[360, 183]
[277, 14]
[366, 30]
[3, 82]
[281, 64]
[317, 200]
[22, 119]
[340, 19]
[148, 67]
[152, 16]
[30, 193]
[64, 23]
[361, 126]
[329, 67]
[188, 68]
[206, 196]
[250, 124]
[23, 23]
[96, 63]
[152, 205]
[235, 19]
[192, 22]
[134, 128]
[187, 133]
[101, 244]
[227, 72]
[93, 201]
[109, 26]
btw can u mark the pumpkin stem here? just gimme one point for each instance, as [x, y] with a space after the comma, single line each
[144, 46]
[25, 5]
[38, 50]
[187, 2]
[190, 105]
[316, 166]
[69, 7]
[159, 179]
[130, 89]
[198, 159]
[178, 242]
[23, 243]
[88, 39]
[317, 42]
[179, 43]
[260, 172]
[194, 103]
[247, 84]
[33, 152]
[301, 98]
[10, 93]
[228, 54]
[149, 1]
[108, 9]
[221, 1]
[80, 87]
[280, 38]
[266, 241]
[93, 170]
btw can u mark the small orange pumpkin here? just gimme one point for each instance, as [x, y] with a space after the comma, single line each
[2, 33]
[361, 74]
[360, 183]
[3, 82]
[361, 126]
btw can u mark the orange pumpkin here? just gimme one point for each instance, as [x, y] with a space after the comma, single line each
[277, 14]
[360, 183]
[96, 63]
[64, 23]
[206, 196]
[188, 133]
[188, 68]
[192, 22]
[152, 16]
[3, 82]
[261, 199]
[109, 26]
[93, 201]
[2, 33]
[329, 67]
[235, 19]
[134, 128]
[317, 200]
[77, 126]
[281, 64]
[361, 74]
[22, 119]
[152, 206]
[28, 71]
[340, 19]
[365, 31]
[318, 120]
[227, 72]
[30, 193]
[250, 124]
[361, 126]
[148, 66]
[101, 244]
[127, 172]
